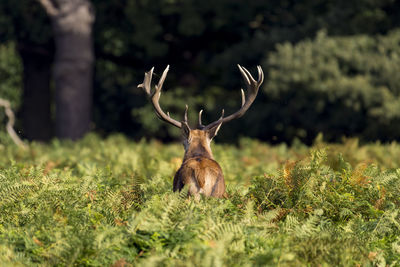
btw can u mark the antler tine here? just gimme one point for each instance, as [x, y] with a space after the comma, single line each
[243, 97]
[155, 96]
[146, 85]
[245, 74]
[200, 124]
[162, 79]
[252, 88]
[222, 114]
[260, 75]
[185, 116]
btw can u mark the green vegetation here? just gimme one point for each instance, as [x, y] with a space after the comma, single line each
[352, 71]
[102, 202]
[313, 84]
[310, 86]
[316, 83]
[10, 75]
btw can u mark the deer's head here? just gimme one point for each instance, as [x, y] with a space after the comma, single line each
[197, 141]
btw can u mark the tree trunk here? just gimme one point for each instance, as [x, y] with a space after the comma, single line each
[36, 115]
[73, 83]
[72, 22]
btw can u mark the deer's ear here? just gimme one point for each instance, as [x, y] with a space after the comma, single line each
[185, 130]
[212, 132]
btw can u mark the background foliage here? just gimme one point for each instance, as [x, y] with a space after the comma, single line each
[336, 85]
[10, 74]
[102, 202]
[204, 40]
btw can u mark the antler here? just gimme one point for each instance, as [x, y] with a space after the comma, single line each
[155, 97]
[252, 88]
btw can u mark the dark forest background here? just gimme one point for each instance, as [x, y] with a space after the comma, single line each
[332, 67]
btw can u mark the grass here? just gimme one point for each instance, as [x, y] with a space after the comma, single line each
[109, 202]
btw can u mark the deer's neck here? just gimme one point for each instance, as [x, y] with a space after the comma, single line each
[198, 150]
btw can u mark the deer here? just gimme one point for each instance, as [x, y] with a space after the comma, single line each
[199, 170]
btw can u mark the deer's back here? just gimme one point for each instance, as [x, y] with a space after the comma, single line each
[202, 175]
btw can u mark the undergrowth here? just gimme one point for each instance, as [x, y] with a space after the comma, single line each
[109, 202]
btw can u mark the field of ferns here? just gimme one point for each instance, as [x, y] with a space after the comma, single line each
[109, 202]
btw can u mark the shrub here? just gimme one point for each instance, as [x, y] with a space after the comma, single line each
[340, 86]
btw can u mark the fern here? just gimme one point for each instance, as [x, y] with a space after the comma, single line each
[104, 202]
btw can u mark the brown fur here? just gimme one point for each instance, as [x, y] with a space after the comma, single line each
[199, 171]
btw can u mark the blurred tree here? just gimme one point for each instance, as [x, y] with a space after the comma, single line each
[10, 124]
[10, 77]
[23, 23]
[340, 86]
[72, 22]
[36, 102]
[203, 41]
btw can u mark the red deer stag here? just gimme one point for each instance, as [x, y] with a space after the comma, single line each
[199, 171]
